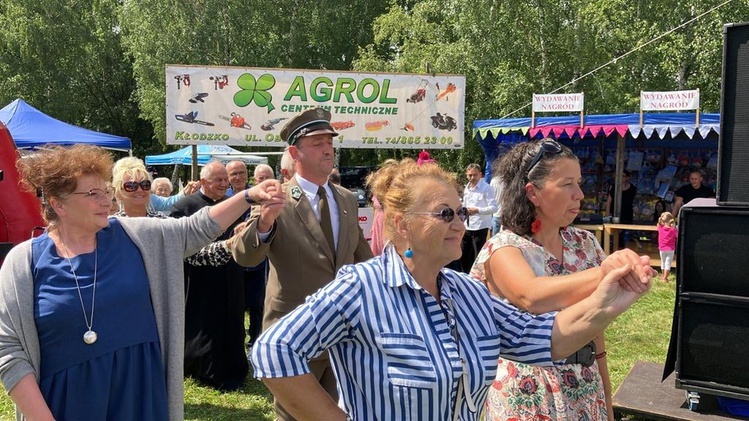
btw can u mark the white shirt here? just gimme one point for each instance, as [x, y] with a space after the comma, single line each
[496, 184]
[310, 190]
[481, 196]
[390, 341]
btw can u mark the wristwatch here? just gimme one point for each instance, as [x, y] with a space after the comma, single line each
[247, 197]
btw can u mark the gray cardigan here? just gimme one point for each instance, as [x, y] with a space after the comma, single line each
[163, 243]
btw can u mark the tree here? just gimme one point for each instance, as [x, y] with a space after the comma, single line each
[510, 50]
[251, 33]
[66, 59]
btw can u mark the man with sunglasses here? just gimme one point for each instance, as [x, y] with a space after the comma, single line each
[214, 309]
[481, 201]
[308, 238]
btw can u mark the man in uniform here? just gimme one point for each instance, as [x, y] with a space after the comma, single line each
[308, 238]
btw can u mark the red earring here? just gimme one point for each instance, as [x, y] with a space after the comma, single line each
[536, 226]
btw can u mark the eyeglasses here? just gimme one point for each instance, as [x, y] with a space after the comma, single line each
[447, 214]
[547, 146]
[98, 194]
[132, 186]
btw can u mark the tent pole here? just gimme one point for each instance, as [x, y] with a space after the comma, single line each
[194, 169]
[620, 145]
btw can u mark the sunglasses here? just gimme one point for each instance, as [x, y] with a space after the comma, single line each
[97, 194]
[547, 146]
[132, 186]
[447, 214]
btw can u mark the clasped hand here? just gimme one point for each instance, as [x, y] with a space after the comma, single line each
[637, 278]
[268, 192]
[627, 277]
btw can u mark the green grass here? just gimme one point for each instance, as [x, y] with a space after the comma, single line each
[640, 334]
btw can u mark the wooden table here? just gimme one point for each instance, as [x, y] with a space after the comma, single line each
[614, 229]
[643, 394]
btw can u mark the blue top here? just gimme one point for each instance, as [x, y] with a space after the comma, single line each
[121, 375]
[391, 345]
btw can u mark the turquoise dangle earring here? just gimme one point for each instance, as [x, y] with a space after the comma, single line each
[409, 253]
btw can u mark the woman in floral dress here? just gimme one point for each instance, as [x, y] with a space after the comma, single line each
[539, 263]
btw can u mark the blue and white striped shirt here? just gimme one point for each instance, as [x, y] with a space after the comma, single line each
[390, 342]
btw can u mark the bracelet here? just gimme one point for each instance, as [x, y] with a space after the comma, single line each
[600, 355]
[247, 197]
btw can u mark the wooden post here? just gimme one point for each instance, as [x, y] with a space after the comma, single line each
[620, 146]
[641, 116]
[698, 111]
[194, 174]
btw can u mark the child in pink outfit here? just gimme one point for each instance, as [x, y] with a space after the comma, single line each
[667, 234]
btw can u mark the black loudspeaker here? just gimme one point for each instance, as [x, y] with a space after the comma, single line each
[733, 148]
[712, 352]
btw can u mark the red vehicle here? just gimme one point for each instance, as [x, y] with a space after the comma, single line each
[20, 211]
[420, 93]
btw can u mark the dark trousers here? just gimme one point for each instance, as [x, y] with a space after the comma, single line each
[473, 241]
[254, 297]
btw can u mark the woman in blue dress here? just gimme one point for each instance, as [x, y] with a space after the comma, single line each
[92, 320]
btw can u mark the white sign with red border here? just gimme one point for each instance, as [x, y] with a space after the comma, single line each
[552, 103]
[670, 100]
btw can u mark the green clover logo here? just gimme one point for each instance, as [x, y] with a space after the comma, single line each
[255, 91]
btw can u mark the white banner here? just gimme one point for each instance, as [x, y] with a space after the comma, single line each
[249, 106]
[547, 103]
[670, 101]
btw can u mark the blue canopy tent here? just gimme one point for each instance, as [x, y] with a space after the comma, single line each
[31, 128]
[205, 153]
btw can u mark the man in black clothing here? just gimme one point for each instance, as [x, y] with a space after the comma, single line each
[214, 309]
[695, 189]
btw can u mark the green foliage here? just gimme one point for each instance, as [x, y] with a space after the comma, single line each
[101, 64]
[66, 59]
[510, 50]
[252, 33]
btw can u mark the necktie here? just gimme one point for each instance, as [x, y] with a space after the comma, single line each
[325, 223]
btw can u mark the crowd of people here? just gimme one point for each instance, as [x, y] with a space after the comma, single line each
[428, 321]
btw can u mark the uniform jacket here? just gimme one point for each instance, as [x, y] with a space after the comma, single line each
[301, 261]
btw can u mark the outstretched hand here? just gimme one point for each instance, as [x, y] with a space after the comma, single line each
[272, 199]
[192, 187]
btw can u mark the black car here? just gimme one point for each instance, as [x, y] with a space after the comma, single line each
[361, 196]
[354, 179]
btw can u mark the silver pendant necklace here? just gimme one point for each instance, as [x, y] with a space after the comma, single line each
[90, 336]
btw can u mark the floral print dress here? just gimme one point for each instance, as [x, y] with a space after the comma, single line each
[564, 392]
